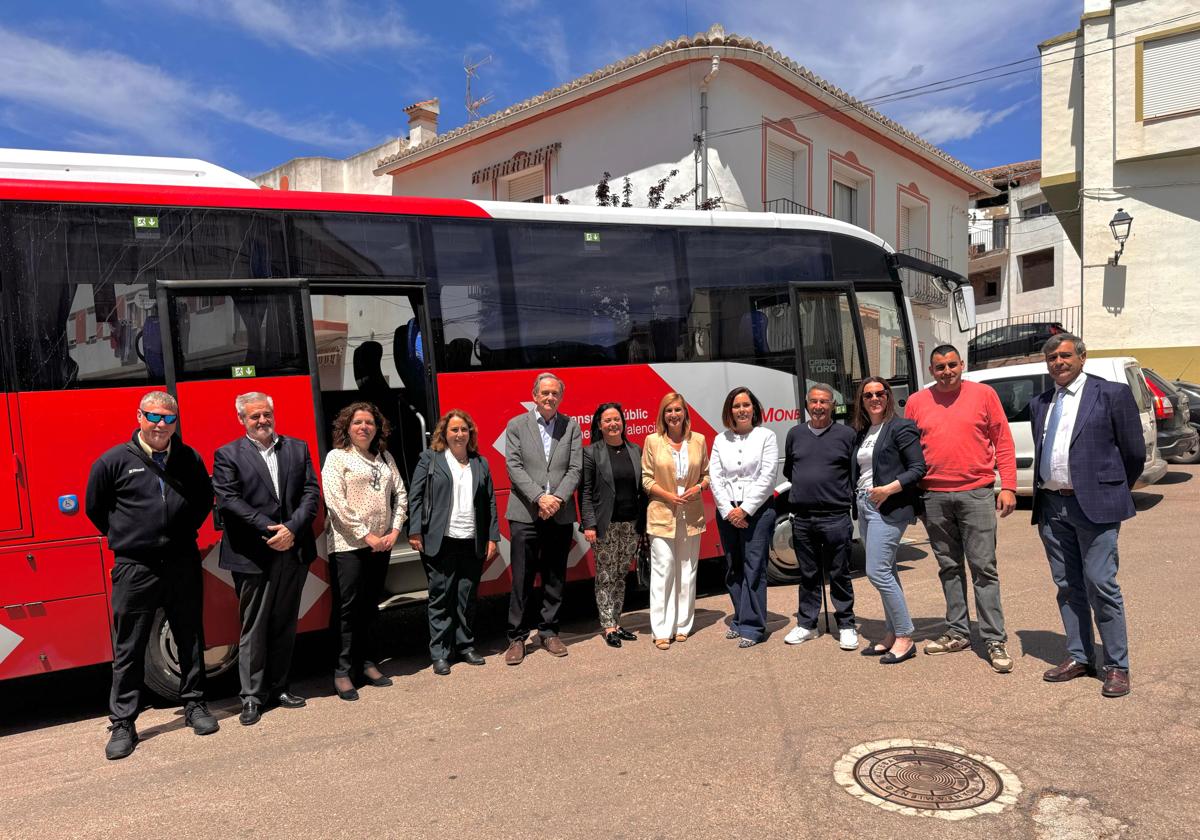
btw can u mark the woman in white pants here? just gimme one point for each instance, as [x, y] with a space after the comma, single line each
[675, 474]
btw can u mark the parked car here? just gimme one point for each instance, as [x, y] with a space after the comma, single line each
[1016, 385]
[1012, 341]
[1192, 390]
[1172, 411]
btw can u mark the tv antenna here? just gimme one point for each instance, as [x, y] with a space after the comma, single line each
[471, 69]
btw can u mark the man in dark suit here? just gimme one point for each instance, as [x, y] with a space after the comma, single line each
[544, 455]
[268, 496]
[1088, 452]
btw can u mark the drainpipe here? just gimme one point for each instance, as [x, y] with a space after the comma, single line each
[712, 74]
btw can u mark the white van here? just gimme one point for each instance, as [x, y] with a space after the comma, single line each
[1018, 384]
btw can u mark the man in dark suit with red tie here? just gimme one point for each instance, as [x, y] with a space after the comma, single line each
[1088, 452]
[268, 497]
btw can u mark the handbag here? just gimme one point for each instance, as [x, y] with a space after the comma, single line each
[643, 562]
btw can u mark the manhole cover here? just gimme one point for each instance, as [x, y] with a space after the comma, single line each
[927, 778]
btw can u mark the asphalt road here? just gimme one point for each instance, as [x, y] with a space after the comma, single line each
[701, 740]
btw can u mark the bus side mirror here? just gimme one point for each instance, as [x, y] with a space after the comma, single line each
[964, 306]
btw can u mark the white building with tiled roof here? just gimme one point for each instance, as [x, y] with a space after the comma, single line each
[778, 138]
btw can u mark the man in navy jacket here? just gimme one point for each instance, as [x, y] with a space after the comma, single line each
[1088, 452]
[268, 496]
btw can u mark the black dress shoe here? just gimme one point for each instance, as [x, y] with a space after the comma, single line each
[349, 694]
[251, 713]
[379, 682]
[612, 638]
[890, 658]
[871, 650]
[289, 701]
[627, 635]
[441, 667]
[469, 656]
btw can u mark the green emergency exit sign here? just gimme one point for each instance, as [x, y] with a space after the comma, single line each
[145, 222]
[243, 371]
[591, 237]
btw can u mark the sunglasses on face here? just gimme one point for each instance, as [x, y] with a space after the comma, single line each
[154, 417]
[875, 395]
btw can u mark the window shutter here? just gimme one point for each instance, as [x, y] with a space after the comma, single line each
[781, 172]
[528, 186]
[905, 229]
[845, 199]
[1171, 75]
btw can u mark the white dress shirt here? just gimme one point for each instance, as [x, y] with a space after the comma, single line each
[742, 469]
[270, 456]
[462, 505]
[546, 430]
[1060, 455]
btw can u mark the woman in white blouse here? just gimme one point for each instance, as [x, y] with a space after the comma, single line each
[743, 465]
[367, 505]
[454, 526]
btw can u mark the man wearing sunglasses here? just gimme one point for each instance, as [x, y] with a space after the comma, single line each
[148, 496]
[268, 496]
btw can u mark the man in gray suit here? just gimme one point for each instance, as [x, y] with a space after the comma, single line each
[544, 453]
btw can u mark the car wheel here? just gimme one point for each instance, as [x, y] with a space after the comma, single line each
[1190, 456]
[162, 660]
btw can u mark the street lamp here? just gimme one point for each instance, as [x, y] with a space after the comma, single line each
[1120, 225]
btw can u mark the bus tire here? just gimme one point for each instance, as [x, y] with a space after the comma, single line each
[781, 559]
[162, 661]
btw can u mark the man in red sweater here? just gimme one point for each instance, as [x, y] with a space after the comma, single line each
[965, 437]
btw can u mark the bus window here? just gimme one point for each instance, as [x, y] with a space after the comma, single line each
[594, 297]
[855, 259]
[470, 319]
[352, 245]
[79, 284]
[740, 311]
[882, 317]
[828, 345]
[217, 333]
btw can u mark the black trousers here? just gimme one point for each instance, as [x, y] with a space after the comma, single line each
[453, 581]
[269, 604]
[356, 579]
[824, 540]
[139, 590]
[540, 548]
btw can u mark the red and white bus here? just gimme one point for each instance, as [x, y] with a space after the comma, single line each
[108, 290]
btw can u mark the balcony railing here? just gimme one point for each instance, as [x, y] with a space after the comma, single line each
[920, 288]
[1066, 316]
[984, 238]
[786, 205]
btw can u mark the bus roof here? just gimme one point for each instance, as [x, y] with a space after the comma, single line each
[101, 192]
[37, 164]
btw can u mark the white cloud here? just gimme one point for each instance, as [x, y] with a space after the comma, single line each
[114, 102]
[313, 27]
[870, 48]
[543, 38]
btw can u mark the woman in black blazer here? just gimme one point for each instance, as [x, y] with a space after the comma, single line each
[612, 507]
[885, 470]
[452, 522]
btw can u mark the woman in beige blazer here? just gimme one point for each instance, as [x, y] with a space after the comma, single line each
[675, 474]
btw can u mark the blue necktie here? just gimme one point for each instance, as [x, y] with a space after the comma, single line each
[1048, 438]
[160, 458]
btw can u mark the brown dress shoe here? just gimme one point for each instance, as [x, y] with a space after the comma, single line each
[1116, 683]
[554, 645]
[1069, 670]
[515, 654]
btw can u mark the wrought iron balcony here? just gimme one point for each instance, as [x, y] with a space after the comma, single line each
[786, 205]
[986, 236]
[920, 288]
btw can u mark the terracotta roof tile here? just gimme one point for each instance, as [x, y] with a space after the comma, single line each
[727, 41]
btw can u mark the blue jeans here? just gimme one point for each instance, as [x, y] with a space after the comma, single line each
[881, 538]
[746, 552]
[1083, 564]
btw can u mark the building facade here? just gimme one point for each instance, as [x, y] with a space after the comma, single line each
[778, 139]
[1121, 130]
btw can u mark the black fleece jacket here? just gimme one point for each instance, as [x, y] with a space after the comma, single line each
[143, 521]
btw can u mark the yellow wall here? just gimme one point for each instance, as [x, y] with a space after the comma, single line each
[1168, 362]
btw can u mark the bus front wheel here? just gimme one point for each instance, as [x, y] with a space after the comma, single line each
[162, 660]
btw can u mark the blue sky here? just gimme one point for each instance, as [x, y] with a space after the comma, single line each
[249, 84]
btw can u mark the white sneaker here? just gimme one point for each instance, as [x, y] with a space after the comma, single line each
[799, 634]
[848, 638]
